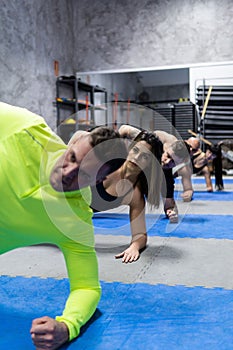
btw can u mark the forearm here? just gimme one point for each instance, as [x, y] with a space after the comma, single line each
[139, 241]
[85, 289]
[79, 308]
[186, 174]
[187, 184]
[137, 224]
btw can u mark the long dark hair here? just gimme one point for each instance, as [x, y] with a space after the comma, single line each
[150, 179]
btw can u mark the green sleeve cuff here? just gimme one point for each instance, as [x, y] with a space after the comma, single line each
[80, 306]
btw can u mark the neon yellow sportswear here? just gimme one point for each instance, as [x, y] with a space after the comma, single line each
[31, 212]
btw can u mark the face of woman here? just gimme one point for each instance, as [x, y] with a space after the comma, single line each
[140, 155]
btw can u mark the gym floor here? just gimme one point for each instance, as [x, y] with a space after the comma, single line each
[178, 295]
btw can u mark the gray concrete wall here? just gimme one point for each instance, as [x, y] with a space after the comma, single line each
[34, 33]
[95, 35]
[147, 33]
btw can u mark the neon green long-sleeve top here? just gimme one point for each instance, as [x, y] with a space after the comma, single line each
[31, 212]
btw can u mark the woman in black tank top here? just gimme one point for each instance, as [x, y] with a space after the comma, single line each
[137, 180]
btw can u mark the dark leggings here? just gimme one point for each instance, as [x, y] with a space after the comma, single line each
[168, 184]
[217, 163]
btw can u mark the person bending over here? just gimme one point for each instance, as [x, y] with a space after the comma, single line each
[138, 180]
[175, 152]
[200, 161]
[44, 199]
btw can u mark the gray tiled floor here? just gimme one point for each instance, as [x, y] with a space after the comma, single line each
[167, 260]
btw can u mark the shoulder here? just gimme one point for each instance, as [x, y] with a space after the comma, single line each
[164, 137]
[128, 131]
[14, 119]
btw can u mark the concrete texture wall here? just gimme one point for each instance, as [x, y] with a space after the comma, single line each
[97, 35]
[34, 33]
[147, 33]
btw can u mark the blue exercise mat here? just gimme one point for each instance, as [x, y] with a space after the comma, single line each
[208, 196]
[203, 195]
[129, 316]
[191, 226]
[201, 180]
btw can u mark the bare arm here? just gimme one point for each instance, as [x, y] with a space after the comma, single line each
[81, 261]
[128, 131]
[131, 132]
[186, 173]
[165, 138]
[138, 229]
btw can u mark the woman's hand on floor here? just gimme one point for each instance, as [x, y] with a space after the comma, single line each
[129, 255]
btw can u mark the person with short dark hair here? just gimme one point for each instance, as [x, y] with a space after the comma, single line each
[45, 199]
[200, 161]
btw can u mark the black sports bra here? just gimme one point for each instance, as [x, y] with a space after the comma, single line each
[102, 200]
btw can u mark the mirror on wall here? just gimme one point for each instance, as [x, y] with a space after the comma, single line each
[150, 86]
[144, 98]
[170, 92]
[165, 98]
